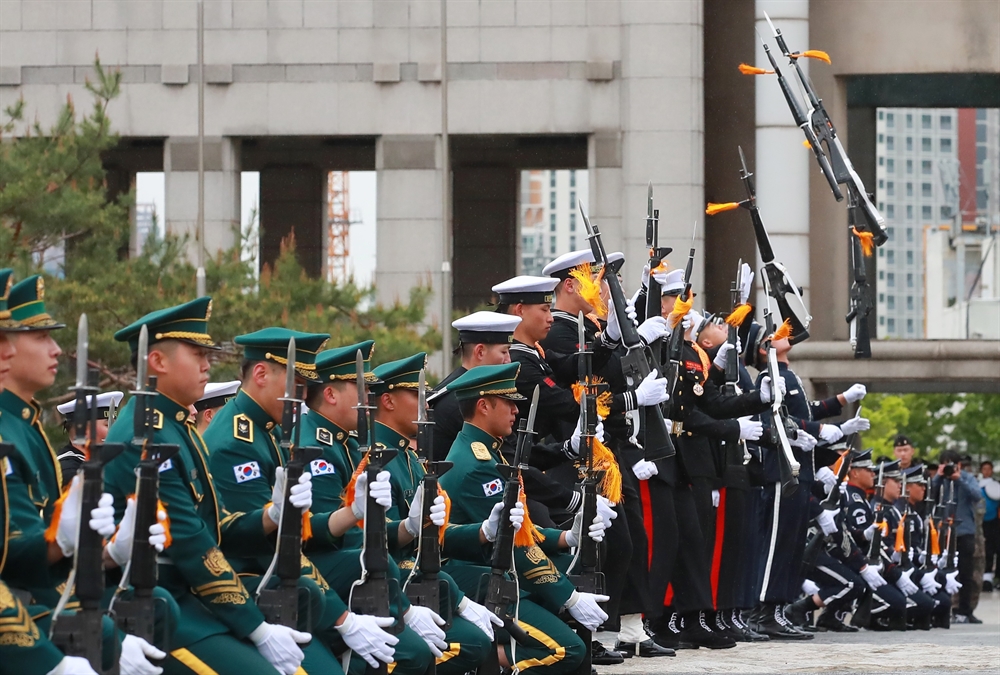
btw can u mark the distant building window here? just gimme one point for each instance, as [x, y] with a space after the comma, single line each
[552, 222]
[890, 257]
[909, 280]
[925, 144]
[881, 321]
[891, 231]
[881, 114]
[881, 297]
[909, 235]
[572, 178]
[572, 243]
[552, 179]
[552, 245]
[572, 199]
[891, 325]
[890, 301]
[909, 211]
[881, 253]
[925, 121]
[909, 257]
[890, 166]
[881, 206]
[552, 200]
[909, 166]
[881, 161]
[881, 275]
[926, 190]
[909, 325]
[909, 143]
[925, 167]
[890, 120]
[945, 145]
[890, 143]
[909, 121]
[891, 211]
[909, 302]
[890, 189]
[909, 189]
[945, 212]
[925, 212]
[881, 183]
[945, 122]
[890, 279]
[572, 223]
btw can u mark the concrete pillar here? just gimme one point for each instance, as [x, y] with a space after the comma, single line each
[293, 199]
[222, 191]
[782, 167]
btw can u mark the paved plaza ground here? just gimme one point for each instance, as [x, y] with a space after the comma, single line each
[963, 648]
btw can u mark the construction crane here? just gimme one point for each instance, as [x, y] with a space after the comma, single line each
[338, 216]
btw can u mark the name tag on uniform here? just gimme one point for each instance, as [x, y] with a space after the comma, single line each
[320, 467]
[494, 487]
[166, 466]
[245, 472]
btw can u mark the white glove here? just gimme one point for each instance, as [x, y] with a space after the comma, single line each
[935, 560]
[720, 357]
[692, 318]
[652, 390]
[426, 623]
[612, 331]
[478, 615]
[135, 656]
[765, 390]
[280, 646]
[747, 284]
[577, 437]
[929, 584]
[895, 557]
[381, 491]
[492, 524]
[653, 328]
[658, 277]
[870, 531]
[584, 608]
[300, 495]
[827, 521]
[72, 665]
[102, 518]
[843, 488]
[951, 583]
[716, 496]
[630, 312]
[830, 433]
[872, 577]
[809, 587]
[854, 425]
[827, 477]
[120, 547]
[364, 635]
[855, 393]
[595, 530]
[802, 441]
[644, 470]
[606, 510]
[412, 522]
[750, 430]
[904, 583]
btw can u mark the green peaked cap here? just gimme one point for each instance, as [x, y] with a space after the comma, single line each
[26, 303]
[6, 282]
[271, 344]
[498, 380]
[187, 323]
[401, 374]
[339, 363]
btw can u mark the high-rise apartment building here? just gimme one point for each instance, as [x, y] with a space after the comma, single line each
[550, 218]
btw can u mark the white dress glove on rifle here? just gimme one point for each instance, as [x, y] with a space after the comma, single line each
[905, 584]
[364, 635]
[280, 646]
[136, 653]
[412, 522]
[102, 518]
[830, 433]
[809, 587]
[653, 328]
[827, 477]
[644, 470]
[300, 495]
[951, 583]
[652, 390]
[929, 584]
[426, 623]
[577, 437]
[492, 524]
[478, 615]
[381, 492]
[584, 608]
[606, 510]
[120, 547]
[692, 318]
[870, 531]
[767, 389]
[595, 530]
[855, 393]
[802, 441]
[612, 331]
[827, 521]
[854, 425]
[716, 498]
[720, 356]
[872, 577]
[747, 285]
[750, 430]
[73, 665]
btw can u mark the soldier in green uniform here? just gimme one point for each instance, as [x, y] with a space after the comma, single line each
[221, 629]
[487, 397]
[247, 463]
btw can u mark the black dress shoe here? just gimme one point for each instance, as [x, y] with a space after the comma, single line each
[798, 612]
[668, 634]
[646, 649]
[602, 656]
[777, 627]
[696, 632]
[743, 628]
[830, 622]
[722, 627]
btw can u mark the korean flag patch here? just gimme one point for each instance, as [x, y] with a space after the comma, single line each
[494, 487]
[320, 467]
[245, 472]
[166, 466]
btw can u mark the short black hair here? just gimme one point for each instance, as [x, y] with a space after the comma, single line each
[467, 407]
[950, 457]
[314, 392]
[985, 462]
[134, 357]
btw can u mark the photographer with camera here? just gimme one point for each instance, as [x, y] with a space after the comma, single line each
[966, 496]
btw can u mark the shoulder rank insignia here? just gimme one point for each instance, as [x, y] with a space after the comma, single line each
[480, 451]
[324, 436]
[242, 428]
[157, 419]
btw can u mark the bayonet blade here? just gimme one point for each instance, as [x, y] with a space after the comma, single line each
[82, 347]
[532, 411]
[743, 160]
[141, 358]
[649, 200]
[290, 370]
[359, 370]
[586, 220]
[581, 334]
[422, 397]
[774, 31]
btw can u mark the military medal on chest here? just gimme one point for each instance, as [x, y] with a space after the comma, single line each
[698, 389]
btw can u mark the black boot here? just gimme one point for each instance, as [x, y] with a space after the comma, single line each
[777, 627]
[898, 622]
[667, 634]
[829, 620]
[941, 620]
[744, 629]
[798, 612]
[722, 627]
[696, 632]
[602, 656]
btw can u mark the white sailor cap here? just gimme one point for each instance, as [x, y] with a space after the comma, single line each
[564, 264]
[217, 394]
[526, 290]
[104, 403]
[487, 328]
[674, 284]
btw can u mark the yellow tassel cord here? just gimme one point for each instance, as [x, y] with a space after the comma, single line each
[747, 69]
[528, 535]
[814, 54]
[603, 399]
[935, 540]
[447, 515]
[50, 531]
[713, 209]
[166, 524]
[590, 288]
[739, 315]
[348, 495]
[901, 535]
[681, 308]
[784, 331]
[867, 240]
[604, 460]
[884, 526]
[307, 528]
[807, 144]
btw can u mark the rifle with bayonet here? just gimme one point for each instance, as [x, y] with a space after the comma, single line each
[80, 633]
[931, 545]
[861, 297]
[952, 521]
[637, 361]
[429, 590]
[832, 503]
[371, 593]
[841, 170]
[656, 255]
[732, 370]
[863, 613]
[675, 343]
[135, 614]
[280, 605]
[780, 428]
[585, 572]
[903, 546]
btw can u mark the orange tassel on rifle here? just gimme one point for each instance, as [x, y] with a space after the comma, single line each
[348, 495]
[712, 208]
[747, 69]
[590, 288]
[528, 535]
[784, 331]
[813, 54]
[447, 515]
[604, 399]
[166, 524]
[807, 144]
[680, 310]
[901, 536]
[867, 240]
[50, 531]
[738, 315]
[935, 540]
[611, 482]
[307, 528]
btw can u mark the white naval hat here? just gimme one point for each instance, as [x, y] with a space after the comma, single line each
[526, 290]
[561, 266]
[104, 402]
[674, 283]
[217, 394]
[486, 328]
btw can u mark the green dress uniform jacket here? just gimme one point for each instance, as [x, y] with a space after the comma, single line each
[194, 569]
[23, 647]
[332, 470]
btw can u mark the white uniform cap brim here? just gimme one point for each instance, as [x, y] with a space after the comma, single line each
[487, 322]
[675, 282]
[527, 284]
[104, 400]
[568, 261]
[616, 256]
[216, 389]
